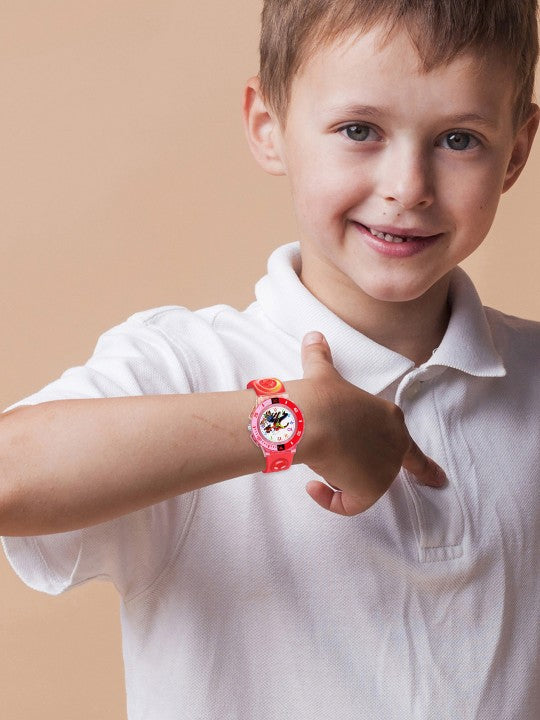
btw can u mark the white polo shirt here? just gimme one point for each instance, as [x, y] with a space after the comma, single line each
[245, 600]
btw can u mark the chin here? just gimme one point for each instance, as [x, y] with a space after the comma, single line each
[393, 293]
[401, 287]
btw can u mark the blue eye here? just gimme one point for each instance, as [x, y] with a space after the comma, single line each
[359, 133]
[458, 140]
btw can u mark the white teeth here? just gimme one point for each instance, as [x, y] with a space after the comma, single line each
[393, 238]
[387, 236]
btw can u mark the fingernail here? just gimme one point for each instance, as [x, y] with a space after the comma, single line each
[313, 337]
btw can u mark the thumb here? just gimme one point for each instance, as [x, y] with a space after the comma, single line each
[425, 469]
[316, 354]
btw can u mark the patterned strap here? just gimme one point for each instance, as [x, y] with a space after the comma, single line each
[267, 387]
[275, 462]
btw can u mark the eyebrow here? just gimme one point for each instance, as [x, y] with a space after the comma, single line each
[372, 111]
[365, 110]
[474, 118]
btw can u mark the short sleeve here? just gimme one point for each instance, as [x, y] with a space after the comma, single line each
[134, 358]
[137, 357]
[131, 551]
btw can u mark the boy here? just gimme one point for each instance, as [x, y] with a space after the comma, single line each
[399, 125]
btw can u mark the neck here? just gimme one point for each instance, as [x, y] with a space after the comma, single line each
[413, 328]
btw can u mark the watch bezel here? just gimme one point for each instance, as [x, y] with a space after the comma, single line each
[260, 440]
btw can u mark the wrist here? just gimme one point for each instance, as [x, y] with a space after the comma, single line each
[309, 399]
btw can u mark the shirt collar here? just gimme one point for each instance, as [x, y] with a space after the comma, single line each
[467, 344]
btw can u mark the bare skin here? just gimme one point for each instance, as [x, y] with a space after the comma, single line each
[69, 464]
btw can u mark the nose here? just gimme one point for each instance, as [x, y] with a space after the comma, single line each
[406, 177]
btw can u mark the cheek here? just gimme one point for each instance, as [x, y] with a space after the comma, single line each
[483, 208]
[474, 200]
[323, 194]
[311, 199]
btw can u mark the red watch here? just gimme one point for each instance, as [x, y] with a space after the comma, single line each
[276, 423]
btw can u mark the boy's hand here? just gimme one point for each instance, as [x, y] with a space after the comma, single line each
[360, 441]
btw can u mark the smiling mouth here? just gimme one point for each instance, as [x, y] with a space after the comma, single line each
[389, 238]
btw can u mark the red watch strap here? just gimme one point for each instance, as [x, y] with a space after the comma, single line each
[267, 386]
[279, 461]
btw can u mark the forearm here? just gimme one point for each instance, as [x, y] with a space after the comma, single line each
[72, 463]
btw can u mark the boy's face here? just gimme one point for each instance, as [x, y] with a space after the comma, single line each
[373, 146]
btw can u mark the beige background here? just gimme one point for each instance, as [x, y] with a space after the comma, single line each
[126, 184]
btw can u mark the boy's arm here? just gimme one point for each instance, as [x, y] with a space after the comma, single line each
[69, 464]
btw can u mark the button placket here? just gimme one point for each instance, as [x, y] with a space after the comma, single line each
[408, 388]
[436, 514]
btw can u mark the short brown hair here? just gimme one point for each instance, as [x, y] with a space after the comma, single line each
[440, 29]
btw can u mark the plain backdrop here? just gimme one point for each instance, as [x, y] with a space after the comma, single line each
[126, 184]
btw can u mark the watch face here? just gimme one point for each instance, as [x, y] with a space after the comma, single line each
[277, 424]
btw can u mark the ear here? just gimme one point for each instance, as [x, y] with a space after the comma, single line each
[262, 130]
[522, 147]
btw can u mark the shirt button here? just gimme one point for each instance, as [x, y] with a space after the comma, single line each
[412, 390]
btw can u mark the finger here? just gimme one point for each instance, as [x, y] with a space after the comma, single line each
[425, 470]
[316, 354]
[336, 502]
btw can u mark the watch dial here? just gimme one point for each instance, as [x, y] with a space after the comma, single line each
[277, 424]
